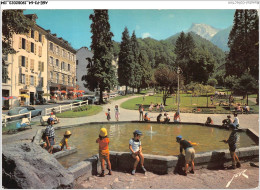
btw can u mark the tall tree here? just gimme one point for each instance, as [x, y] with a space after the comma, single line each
[146, 70]
[125, 61]
[244, 45]
[136, 65]
[101, 73]
[13, 21]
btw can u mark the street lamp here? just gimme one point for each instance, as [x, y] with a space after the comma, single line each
[178, 72]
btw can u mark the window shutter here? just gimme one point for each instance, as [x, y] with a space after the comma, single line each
[37, 36]
[26, 62]
[28, 46]
[35, 49]
[42, 66]
[39, 66]
[35, 81]
[20, 61]
[20, 42]
[32, 64]
[27, 80]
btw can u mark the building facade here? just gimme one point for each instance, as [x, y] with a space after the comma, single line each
[82, 63]
[27, 69]
[61, 68]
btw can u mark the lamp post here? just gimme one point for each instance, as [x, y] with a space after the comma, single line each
[178, 72]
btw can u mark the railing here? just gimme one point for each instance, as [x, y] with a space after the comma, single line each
[59, 109]
[5, 117]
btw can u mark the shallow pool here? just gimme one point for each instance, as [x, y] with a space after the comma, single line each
[158, 139]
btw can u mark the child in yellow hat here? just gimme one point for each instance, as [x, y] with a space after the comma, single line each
[64, 141]
[103, 142]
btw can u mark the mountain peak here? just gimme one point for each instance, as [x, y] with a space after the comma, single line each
[204, 30]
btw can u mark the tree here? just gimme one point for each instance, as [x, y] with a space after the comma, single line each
[244, 45]
[146, 70]
[166, 79]
[136, 65]
[246, 85]
[101, 73]
[13, 21]
[125, 61]
[212, 82]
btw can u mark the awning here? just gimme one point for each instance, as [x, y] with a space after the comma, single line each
[24, 90]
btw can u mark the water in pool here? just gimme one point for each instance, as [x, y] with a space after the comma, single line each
[158, 139]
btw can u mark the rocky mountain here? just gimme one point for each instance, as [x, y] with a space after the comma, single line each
[220, 39]
[216, 36]
[204, 30]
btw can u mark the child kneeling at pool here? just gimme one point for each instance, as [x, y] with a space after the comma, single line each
[103, 142]
[64, 141]
[136, 150]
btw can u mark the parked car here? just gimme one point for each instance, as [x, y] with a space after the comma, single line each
[22, 110]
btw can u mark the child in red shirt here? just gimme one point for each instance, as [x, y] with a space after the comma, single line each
[103, 141]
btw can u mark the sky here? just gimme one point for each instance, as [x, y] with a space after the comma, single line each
[74, 25]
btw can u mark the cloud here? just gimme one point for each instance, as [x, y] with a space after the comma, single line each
[146, 35]
[137, 27]
[171, 15]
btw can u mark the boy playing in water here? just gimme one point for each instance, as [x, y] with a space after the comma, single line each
[64, 141]
[103, 142]
[136, 150]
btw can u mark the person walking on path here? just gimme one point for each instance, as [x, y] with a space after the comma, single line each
[103, 142]
[136, 150]
[232, 141]
[141, 112]
[108, 114]
[117, 112]
[189, 153]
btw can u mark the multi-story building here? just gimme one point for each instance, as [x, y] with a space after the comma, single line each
[27, 68]
[61, 67]
[82, 65]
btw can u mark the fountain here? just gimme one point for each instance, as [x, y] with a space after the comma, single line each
[158, 139]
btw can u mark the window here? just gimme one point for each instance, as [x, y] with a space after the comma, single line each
[23, 61]
[72, 57]
[62, 65]
[5, 74]
[57, 50]
[63, 79]
[22, 79]
[32, 47]
[51, 60]
[57, 62]
[63, 54]
[68, 79]
[57, 77]
[68, 67]
[40, 37]
[72, 81]
[77, 62]
[23, 43]
[51, 75]
[51, 46]
[32, 81]
[32, 34]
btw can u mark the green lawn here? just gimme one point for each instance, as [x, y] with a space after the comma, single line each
[91, 110]
[187, 103]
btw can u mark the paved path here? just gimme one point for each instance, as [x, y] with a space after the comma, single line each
[202, 179]
[246, 121]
